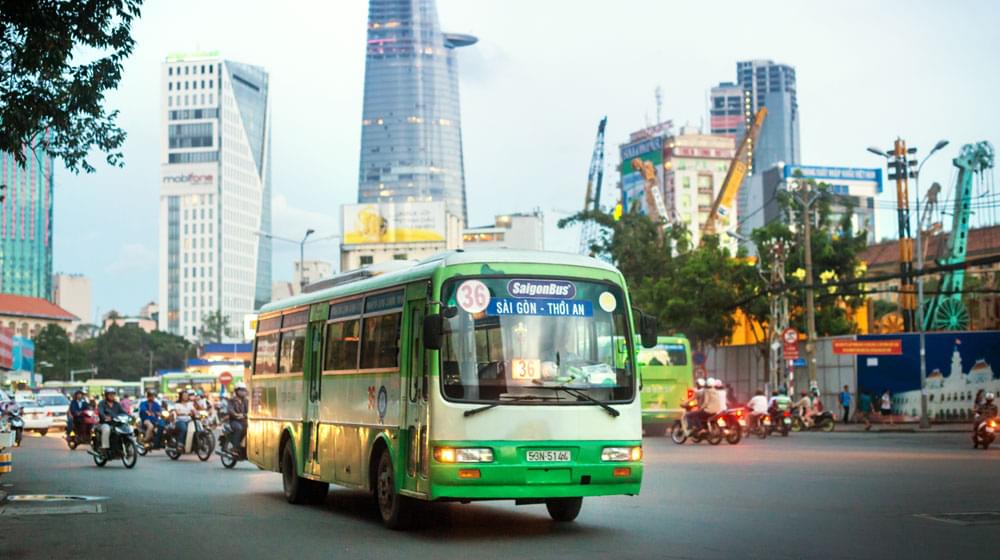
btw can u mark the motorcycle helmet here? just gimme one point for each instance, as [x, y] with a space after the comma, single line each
[700, 383]
[710, 382]
[989, 397]
[718, 384]
[239, 386]
[110, 391]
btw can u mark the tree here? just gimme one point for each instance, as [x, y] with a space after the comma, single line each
[85, 330]
[214, 327]
[48, 100]
[52, 345]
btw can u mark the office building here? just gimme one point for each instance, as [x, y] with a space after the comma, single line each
[73, 293]
[695, 167]
[520, 230]
[215, 192]
[26, 225]
[311, 272]
[411, 137]
[728, 110]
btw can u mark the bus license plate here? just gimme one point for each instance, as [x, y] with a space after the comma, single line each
[549, 456]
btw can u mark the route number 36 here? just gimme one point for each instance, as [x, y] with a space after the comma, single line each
[473, 296]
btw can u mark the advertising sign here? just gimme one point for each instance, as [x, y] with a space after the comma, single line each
[394, 222]
[633, 186]
[880, 347]
[790, 338]
[6, 348]
[23, 354]
[853, 181]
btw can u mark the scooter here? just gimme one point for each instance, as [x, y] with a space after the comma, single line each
[822, 421]
[122, 444]
[16, 424]
[710, 432]
[758, 425]
[75, 439]
[231, 452]
[158, 442]
[199, 439]
[781, 421]
[985, 433]
[736, 422]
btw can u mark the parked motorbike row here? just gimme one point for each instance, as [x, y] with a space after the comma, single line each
[128, 440]
[735, 424]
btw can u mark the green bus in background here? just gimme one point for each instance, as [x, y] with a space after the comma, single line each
[667, 376]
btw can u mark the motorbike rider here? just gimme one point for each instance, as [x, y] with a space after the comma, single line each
[779, 401]
[693, 417]
[76, 408]
[238, 407]
[757, 406]
[984, 411]
[183, 409]
[722, 392]
[804, 407]
[107, 410]
[152, 422]
[714, 402]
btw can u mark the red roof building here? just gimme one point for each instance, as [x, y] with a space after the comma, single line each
[28, 315]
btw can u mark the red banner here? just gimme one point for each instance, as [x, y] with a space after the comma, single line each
[887, 347]
[6, 348]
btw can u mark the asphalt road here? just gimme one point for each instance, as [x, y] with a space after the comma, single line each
[835, 495]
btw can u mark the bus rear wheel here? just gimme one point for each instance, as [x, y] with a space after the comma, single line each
[564, 510]
[299, 490]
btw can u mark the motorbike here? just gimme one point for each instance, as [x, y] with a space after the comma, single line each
[122, 444]
[710, 432]
[75, 439]
[758, 425]
[736, 422]
[16, 424]
[231, 452]
[985, 433]
[157, 443]
[199, 439]
[822, 421]
[780, 421]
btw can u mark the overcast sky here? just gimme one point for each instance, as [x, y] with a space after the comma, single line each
[532, 91]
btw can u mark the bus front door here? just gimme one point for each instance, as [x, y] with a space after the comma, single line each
[417, 386]
[313, 378]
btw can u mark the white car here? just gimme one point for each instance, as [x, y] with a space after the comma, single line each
[44, 412]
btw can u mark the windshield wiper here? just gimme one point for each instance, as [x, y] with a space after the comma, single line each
[474, 411]
[581, 395]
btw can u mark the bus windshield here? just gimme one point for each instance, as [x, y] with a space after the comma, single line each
[664, 354]
[514, 340]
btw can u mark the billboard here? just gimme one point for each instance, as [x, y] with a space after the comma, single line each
[23, 354]
[394, 222]
[853, 181]
[650, 149]
[6, 348]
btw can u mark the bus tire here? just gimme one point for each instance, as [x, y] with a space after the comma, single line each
[299, 490]
[396, 510]
[564, 510]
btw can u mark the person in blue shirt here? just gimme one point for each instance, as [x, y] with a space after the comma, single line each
[76, 408]
[845, 401]
[152, 421]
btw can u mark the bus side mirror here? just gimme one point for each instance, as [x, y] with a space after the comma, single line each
[647, 330]
[433, 331]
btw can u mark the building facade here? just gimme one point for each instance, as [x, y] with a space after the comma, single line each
[695, 166]
[729, 109]
[411, 137]
[26, 316]
[215, 192]
[521, 230]
[26, 225]
[73, 292]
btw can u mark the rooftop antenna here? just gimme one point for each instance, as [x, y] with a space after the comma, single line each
[658, 94]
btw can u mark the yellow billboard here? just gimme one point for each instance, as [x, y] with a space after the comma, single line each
[394, 222]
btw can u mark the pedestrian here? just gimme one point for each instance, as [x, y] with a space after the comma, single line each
[886, 406]
[845, 401]
[865, 408]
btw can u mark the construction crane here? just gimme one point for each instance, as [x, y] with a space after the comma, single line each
[734, 177]
[656, 209]
[946, 310]
[592, 202]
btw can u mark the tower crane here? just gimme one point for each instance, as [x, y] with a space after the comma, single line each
[654, 198]
[592, 202]
[946, 310]
[734, 177]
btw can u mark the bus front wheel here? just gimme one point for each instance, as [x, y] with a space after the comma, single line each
[396, 510]
[564, 510]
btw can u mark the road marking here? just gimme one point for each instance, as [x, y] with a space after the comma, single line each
[964, 518]
[18, 510]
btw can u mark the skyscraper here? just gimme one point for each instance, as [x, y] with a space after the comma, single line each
[411, 136]
[771, 85]
[26, 225]
[727, 114]
[215, 192]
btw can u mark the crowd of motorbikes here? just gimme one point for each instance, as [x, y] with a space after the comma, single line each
[734, 423]
[128, 436]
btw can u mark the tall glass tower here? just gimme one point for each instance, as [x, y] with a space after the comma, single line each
[26, 225]
[411, 136]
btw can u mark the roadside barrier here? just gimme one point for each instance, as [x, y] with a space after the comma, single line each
[6, 463]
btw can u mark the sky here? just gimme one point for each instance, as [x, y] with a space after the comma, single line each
[532, 92]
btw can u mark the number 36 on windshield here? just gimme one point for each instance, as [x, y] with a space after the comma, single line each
[525, 369]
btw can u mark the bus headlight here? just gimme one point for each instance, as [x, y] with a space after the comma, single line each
[618, 454]
[463, 455]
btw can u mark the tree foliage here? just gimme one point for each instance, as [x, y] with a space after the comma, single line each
[124, 353]
[57, 60]
[214, 327]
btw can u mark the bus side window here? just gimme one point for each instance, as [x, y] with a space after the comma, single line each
[266, 358]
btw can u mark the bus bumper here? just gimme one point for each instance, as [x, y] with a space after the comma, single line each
[512, 476]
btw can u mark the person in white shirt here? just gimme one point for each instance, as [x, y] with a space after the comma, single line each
[183, 409]
[758, 406]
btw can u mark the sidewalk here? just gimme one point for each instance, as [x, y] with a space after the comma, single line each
[903, 428]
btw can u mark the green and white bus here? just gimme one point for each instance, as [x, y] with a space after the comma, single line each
[476, 375]
[667, 377]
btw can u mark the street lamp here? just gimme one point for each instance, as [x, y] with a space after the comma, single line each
[301, 243]
[924, 420]
[302, 262]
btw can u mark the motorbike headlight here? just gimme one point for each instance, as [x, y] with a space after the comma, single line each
[619, 454]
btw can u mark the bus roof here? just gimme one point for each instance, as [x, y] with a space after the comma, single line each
[425, 268]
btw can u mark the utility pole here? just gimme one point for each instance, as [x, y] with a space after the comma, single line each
[806, 198]
[779, 309]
